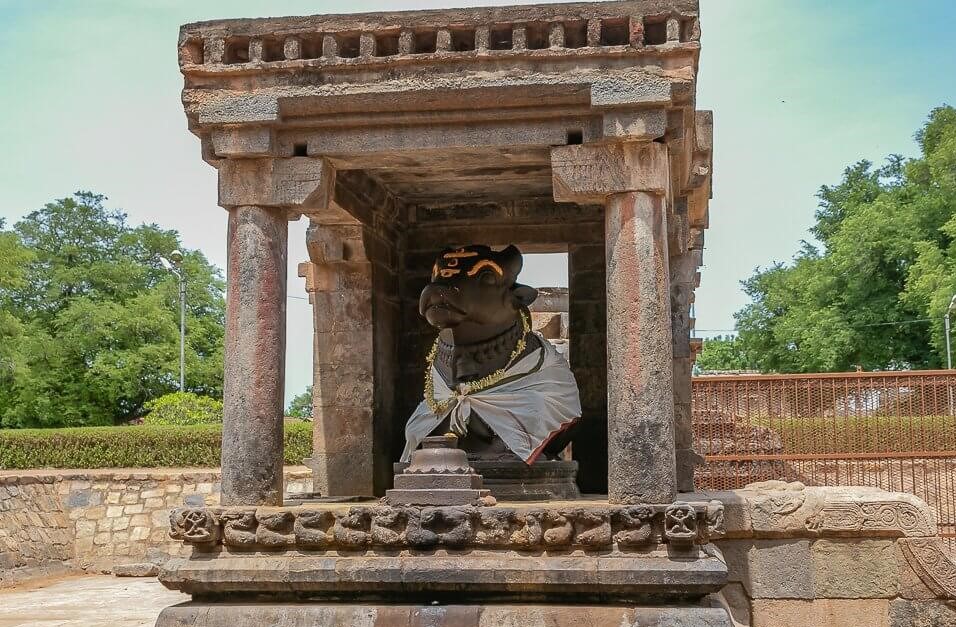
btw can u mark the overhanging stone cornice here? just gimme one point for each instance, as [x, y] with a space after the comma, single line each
[577, 29]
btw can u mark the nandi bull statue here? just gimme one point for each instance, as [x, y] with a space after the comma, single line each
[504, 390]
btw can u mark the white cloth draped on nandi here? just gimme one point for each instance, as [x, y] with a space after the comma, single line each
[536, 400]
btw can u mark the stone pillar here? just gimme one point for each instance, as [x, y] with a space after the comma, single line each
[641, 458]
[631, 179]
[683, 268]
[260, 194]
[252, 442]
[339, 281]
[587, 321]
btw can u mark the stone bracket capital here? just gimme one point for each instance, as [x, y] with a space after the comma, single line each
[589, 173]
[297, 183]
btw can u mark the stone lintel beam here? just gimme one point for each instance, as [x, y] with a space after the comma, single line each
[589, 173]
[243, 142]
[641, 445]
[303, 184]
[639, 125]
[254, 361]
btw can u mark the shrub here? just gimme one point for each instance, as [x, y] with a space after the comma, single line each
[183, 408]
[145, 446]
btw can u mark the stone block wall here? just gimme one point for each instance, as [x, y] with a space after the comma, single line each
[834, 557]
[95, 520]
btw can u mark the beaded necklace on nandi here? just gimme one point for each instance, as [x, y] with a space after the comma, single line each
[440, 407]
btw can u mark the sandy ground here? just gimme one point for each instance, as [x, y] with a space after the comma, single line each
[94, 601]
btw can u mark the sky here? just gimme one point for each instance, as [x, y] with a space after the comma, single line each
[90, 99]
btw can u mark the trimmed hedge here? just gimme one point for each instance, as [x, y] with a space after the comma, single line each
[141, 446]
[183, 408]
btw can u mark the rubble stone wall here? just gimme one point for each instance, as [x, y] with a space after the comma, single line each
[95, 520]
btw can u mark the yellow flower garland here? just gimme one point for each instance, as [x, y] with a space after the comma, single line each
[440, 407]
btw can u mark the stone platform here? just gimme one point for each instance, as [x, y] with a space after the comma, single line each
[303, 615]
[331, 563]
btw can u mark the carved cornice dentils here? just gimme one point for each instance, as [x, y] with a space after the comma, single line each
[376, 38]
[681, 525]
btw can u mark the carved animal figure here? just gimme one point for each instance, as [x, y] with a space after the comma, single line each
[502, 388]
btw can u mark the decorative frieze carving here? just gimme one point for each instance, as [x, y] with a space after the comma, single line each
[194, 526]
[777, 507]
[929, 559]
[382, 526]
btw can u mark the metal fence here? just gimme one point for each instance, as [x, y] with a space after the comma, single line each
[892, 430]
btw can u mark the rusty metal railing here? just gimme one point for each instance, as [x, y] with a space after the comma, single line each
[892, 430]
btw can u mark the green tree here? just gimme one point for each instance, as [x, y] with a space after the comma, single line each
[723, 353]
[873, 291]
[301, 405]
[96, 317]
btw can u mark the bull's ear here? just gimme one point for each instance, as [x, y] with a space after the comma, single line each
[510, 260]
[524, 295]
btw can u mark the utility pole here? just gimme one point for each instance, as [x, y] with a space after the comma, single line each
[174, 266]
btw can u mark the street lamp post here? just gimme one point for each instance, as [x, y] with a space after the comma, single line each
[949, 353]
[174, 267]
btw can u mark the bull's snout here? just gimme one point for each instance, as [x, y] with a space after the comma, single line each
[439, 304]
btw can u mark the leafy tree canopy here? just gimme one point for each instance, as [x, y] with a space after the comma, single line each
[723, 353]
[873, 291]
[89, 319]
[301, 405]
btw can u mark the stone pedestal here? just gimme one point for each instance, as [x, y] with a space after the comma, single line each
[438, 474]
[546, 480]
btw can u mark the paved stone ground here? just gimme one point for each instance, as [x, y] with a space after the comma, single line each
[95, 601]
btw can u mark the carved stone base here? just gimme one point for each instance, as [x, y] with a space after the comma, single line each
[382, 615]
[541, 481]
[517, 481]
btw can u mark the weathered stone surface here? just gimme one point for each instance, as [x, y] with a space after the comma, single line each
[589, 174]
[820, 612]
[907, 613]
[640, 391]
[143, 569]
[478, 574]
[781, 509]
[47, 530]
[484, 615]
[932, 563]
[771, 569]
[254, 359]
[294, 182]
[855, 569]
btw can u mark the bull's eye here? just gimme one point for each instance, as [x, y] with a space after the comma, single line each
[488, 278]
